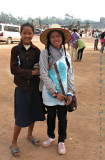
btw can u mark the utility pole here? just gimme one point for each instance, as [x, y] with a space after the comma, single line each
[40, 23]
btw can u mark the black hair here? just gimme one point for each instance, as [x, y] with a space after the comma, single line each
[63, 43]
[74, 30]
[25, 25]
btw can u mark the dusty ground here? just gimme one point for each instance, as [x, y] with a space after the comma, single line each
[83, 132]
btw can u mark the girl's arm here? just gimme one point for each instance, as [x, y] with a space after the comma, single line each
[51, 87]
[70, 78]
[15, 68]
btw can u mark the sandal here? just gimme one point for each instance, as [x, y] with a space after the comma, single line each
[35, 142]
[14, 151]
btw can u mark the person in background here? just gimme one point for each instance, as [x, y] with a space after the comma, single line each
[70, 30]
[85, 32]
[92, 32]
[55, 39]
[102, 39]
[28, 107]
[96, 36]
[81, 47]
[81, 32]
[73, 43]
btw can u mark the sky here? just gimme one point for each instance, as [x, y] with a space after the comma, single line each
[90, 9]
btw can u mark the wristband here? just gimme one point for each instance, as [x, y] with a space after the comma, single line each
[69, 95]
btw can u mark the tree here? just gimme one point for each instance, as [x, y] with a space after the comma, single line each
[68, 20]
[67, 15]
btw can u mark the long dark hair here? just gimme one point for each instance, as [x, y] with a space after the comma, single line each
[63, 43]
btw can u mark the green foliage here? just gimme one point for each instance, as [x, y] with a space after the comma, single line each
[69, 19]
[8, 18]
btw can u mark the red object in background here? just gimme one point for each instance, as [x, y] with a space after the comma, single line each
[1, 34]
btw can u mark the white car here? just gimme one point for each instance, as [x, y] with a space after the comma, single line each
[9, 33]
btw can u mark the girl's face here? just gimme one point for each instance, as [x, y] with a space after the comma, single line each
[56, 39]
[27, 35]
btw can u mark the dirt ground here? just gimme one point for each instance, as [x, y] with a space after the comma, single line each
[86, 126]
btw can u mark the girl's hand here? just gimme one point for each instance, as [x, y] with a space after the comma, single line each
[61, 97]
[36, 72]
[69, 99]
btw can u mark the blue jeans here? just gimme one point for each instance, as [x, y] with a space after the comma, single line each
[102, 48]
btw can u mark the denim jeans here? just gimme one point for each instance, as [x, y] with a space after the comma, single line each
[62, 121]
[102, 48]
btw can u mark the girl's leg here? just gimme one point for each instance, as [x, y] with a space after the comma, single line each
[51, 116]
[62, 126]
[35, 142]
[62, 123]
[17, 130]
[30, 130]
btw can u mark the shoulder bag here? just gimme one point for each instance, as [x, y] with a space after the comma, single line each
[73, 105]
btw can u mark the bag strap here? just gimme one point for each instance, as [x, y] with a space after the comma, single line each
[24, 56]
[59, 79]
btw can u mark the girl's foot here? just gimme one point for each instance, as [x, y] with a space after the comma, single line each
[14, 150]
[61, 148]
[35, 142]
[48, 141]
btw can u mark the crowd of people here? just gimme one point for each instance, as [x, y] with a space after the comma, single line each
[77, 45]
[99, 35]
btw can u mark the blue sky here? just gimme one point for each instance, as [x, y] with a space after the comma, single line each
[83, 9]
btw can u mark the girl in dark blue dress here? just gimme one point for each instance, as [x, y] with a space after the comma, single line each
[28, 105]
